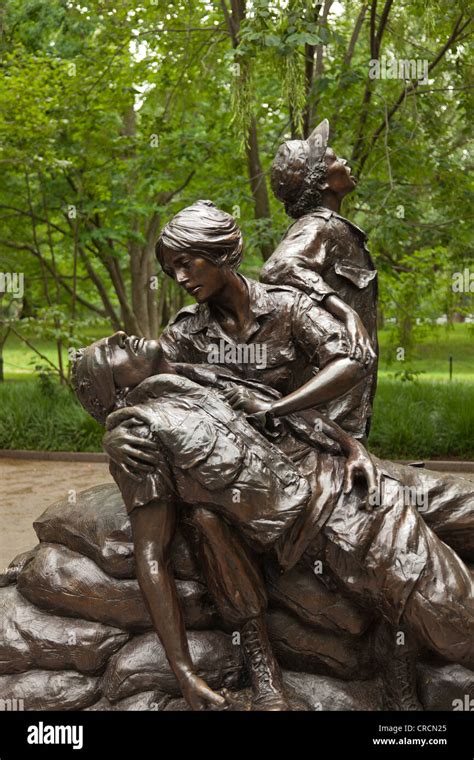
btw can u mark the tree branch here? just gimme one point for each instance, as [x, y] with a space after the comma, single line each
[314, 68]
[22, 212]
[375, 46]
[230, 23]
[457, 31]
[25, 247]
[373, 33]
[42, 356]
[101, 289]
[382, 25]
[355, 35]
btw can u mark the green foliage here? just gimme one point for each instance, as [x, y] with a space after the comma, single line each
[115, 116]
[48, 387]
[423, 420]
[45, 417]
[408, 375]
[108, 109]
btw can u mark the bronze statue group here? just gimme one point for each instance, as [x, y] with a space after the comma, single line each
[265, 464]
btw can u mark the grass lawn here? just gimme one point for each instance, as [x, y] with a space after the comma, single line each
[20, 360]
[430, 356]
[31, 418]
[426, 420]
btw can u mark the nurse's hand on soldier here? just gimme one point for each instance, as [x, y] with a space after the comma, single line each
[245, 400]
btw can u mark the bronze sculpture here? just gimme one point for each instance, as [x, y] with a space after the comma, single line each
[325, 255]
[259, 536]
[386, 557]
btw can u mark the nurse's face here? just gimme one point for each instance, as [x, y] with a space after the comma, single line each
[197, 275]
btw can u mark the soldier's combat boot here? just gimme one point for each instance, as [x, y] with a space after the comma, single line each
[399, 681]
[265, 674]
[397, 652]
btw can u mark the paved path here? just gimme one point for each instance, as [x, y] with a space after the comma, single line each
[29, 486]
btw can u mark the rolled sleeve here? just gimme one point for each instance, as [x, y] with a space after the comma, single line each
[309, 282]
[152, 486]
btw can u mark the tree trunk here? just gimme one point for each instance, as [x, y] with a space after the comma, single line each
[152, 293]
[257, 180]
[258, 184]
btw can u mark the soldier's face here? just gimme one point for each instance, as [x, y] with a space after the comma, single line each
[339, 177]
[198, 276]
[132, 359]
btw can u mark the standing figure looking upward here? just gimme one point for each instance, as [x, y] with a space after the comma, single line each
[326, 257]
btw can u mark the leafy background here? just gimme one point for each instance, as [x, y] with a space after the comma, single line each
[113, 116]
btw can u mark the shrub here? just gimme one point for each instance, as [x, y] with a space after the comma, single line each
[45, 417]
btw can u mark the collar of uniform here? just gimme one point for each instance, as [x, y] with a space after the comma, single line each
[327, 214]
[260, 305]
[261, 302]
[351, 224]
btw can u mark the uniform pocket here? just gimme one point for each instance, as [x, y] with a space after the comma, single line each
[222, 464]
[193, 442]
[359, 276]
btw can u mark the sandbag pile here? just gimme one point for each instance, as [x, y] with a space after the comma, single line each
[67, 583]
[75, 632]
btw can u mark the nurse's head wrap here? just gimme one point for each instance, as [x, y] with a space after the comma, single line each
[93, 380]
[203, 230]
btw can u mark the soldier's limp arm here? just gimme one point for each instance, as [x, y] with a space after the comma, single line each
[153, 528]
[329, 381]
[358, 459]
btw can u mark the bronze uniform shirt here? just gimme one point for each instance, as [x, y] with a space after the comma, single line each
[324, 254]
[210, 454]
[299, 338]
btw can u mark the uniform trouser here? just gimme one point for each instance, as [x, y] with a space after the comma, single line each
[445, 502]
[399, 566]
[412, 578]
[230, 568]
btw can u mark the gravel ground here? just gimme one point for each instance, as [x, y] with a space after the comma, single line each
[29, 486]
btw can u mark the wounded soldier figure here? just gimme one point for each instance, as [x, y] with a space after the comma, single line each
[252, 486]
